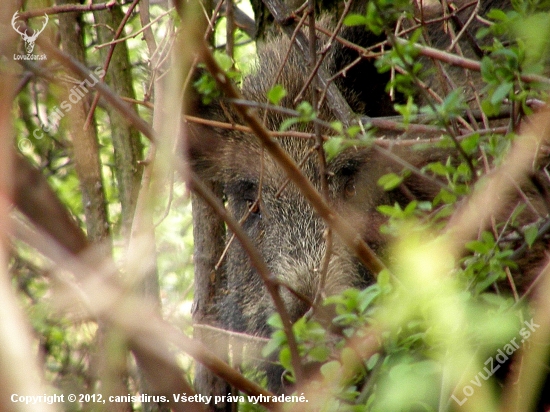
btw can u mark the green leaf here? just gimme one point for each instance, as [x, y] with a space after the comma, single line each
[479, 247]
[338, 127]
[488, 281]
[306, 111]
[438, 168]
[390, 181]
[286, 359]
[517, 211]
[373, 20]
[223, 60]
[446, 197]
[319, 353]
[353, 131]
[488, 108]
[330, 369]
[333, 147]
[345, 319]
[355, 20]
[392, 211]
[276, 94]
[488, 238]
[408, 111]
[373, 360]
[274, 344]
[501, 93]
[470, 144]
[275, 321]
[496, 14]
[425, 206]
[288, 123]
[530, 234]
[410, 208]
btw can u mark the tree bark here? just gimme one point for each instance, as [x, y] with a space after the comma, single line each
[111, 352]
[209, 235]
[126, 140]
[84, 141]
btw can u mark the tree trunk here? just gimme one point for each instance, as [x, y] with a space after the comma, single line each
[126, 140]
[209, 235]
[111, 350]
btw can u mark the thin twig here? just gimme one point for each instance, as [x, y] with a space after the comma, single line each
[336, 102]
[108, 61]
[131, 36]
[323, 53]
[67, 8]
[112, 98]
[465, 26]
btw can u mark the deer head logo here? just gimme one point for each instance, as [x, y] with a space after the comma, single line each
[29, 40]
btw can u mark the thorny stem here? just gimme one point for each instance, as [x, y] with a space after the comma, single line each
[432, 53]
[464, 62]
[383, 123]
[465, 26]
[390, 123]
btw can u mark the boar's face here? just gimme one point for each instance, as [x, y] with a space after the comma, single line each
[286, 230]
[290, 236]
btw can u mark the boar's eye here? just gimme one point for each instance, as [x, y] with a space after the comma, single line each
[349, 189]
[348, 174]
[254, 207]
[244, 193]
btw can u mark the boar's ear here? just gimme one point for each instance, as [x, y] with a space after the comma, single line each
[361, 83]
[204, 144]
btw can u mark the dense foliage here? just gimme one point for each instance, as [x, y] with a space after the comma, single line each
[458, 296]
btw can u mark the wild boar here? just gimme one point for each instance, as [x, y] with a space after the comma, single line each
[284, 227]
